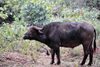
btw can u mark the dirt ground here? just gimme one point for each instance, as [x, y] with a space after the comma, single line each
[68, 59]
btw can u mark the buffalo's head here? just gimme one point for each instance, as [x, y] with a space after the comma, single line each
[32, 33]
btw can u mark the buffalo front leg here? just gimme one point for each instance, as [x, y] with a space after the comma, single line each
[57, 50]
[58, 56]
[52, 55]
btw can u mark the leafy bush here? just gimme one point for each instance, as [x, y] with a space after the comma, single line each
[82, 3]
[5, 14]
[11, 40]
[80, 15]
[34, 13]
[86, 13]
[9, 35]
[10, 10]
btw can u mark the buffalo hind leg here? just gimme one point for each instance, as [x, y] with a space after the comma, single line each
[84, 59]
[85, 47]
[91, 54]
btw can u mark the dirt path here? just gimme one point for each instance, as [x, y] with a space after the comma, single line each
[68, 59]
[18, 60]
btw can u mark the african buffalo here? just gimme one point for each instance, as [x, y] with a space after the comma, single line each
[58, 34]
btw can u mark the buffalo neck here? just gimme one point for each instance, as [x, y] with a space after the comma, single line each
[41, 38]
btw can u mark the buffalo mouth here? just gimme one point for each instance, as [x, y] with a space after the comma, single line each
[24, 37]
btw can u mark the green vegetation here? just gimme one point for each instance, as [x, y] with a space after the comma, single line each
[11, 40]
[80, 15]
[34, 13]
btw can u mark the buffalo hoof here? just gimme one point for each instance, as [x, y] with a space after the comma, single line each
[58, 63]
[81, 63]
[52, 62]
[89, 64]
